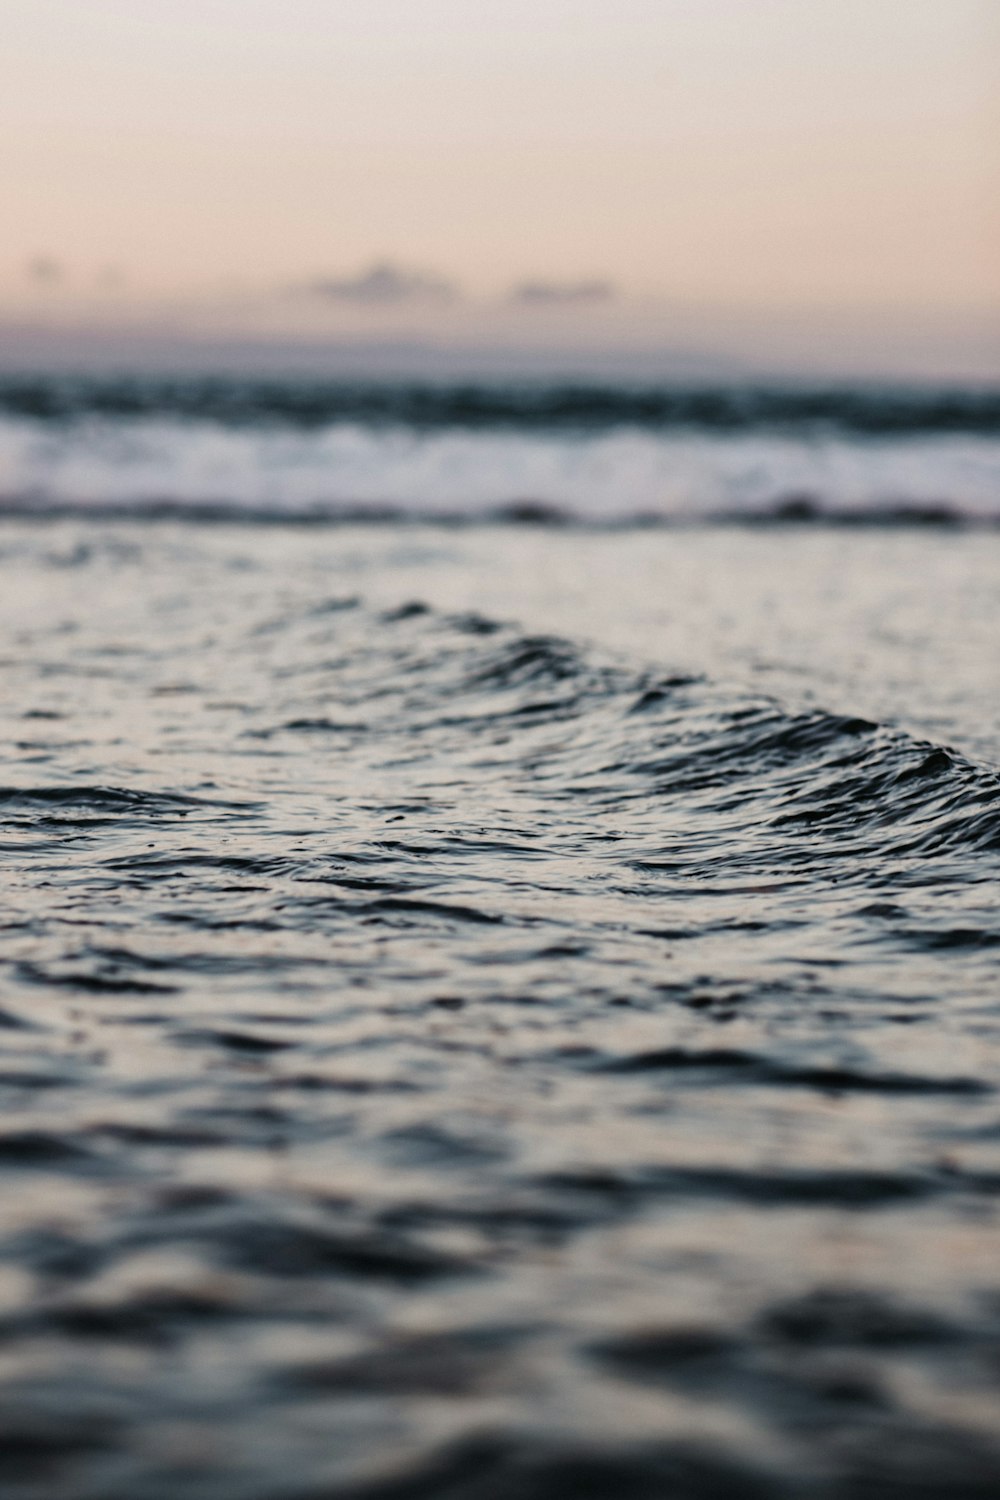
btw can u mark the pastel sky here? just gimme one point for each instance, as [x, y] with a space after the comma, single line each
[599, 173]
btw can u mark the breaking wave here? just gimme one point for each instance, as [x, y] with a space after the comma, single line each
[616, 455]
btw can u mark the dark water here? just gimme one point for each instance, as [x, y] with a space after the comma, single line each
[444, 1058]
[237, 401]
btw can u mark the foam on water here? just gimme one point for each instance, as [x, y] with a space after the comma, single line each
[608, 456]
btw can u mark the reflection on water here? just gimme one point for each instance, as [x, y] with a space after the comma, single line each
[443, 1058]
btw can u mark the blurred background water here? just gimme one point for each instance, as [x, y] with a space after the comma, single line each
[613, 454]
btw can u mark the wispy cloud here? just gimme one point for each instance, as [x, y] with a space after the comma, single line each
[561, 293]
[43, 270]
[385, 285]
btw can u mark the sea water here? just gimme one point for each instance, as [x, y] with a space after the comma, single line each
[498, 999]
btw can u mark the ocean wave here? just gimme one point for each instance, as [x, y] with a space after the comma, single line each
[614, 475]
[239, 402]
[445, 1058]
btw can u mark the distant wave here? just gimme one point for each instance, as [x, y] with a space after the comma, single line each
[602, 455]
[622, 476]
[311, 403]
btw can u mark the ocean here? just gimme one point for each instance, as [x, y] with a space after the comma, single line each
[601, 454]
[500, 959]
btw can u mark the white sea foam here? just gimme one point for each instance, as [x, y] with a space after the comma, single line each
[609, 475]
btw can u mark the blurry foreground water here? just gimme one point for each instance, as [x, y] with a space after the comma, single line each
[498, 1014]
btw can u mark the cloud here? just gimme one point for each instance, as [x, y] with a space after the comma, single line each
[561, 293]
[43, 270]
[385, 285]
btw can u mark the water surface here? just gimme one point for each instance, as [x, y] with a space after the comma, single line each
[498, 1013]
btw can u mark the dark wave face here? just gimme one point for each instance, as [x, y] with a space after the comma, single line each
[303, 403]
[621, 455]
[441, 1059]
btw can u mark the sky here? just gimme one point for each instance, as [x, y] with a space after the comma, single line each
[814, 183]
